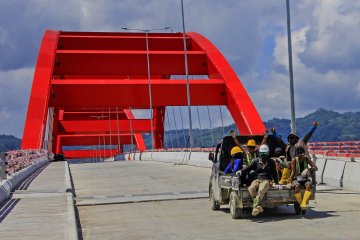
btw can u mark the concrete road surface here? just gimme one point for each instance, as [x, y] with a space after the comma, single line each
[334, 215]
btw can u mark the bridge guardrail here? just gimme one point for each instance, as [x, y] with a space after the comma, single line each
[350, 149]
[19, 159]
[181, 150]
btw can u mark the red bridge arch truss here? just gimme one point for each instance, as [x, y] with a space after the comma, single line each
[82, 77]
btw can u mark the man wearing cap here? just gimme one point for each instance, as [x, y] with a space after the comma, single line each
[295, 141]
[300, 176]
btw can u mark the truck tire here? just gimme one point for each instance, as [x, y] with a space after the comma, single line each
[213, 203]
[298, 209]
[235, 211]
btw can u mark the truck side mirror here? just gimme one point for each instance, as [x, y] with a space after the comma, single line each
[211, 156]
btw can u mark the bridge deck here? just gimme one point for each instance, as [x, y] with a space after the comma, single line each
[335, 216]
[120, 200]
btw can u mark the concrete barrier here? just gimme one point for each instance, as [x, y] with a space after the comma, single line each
[320, 163]
[351, 180]
[200, 159]
[7, 186]
[333, 172]
[5, 189]
[169, 157]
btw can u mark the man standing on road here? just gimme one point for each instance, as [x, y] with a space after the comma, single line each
[265, 170]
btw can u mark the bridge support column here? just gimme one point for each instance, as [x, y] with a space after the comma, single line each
[55, 130]
[158, 122]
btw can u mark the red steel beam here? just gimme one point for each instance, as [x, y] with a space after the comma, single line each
[123, 126]
[39, 96]
[71, 42]
[74, 154]
[135, 93]
[92, 115]
[92, 62]
[159, 124]
[238, 101]
[139, 141]
[93, 71]
[93, 139]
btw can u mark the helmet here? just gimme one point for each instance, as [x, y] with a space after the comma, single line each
[300, 150]
[292, 135]
[236, 150]
[251, 143]
[264, 149]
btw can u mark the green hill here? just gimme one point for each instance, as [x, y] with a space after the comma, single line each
[8, 142]
[333, 127]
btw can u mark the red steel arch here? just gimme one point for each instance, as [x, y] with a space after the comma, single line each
[80, 75]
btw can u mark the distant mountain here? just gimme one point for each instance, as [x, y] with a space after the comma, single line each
[8, 142]
[333, 127]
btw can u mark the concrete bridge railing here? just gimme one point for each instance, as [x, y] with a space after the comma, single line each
[340, 172]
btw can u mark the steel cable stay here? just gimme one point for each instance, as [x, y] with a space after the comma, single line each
[222, 121]
[131, 132]
[110, 131]
[99, 148]
[118, 128]
[187, 77]
[183, 129]
[176, 129]
[211, 129]
[201, 135]
[102, 115]
[163, 124]
[182, 124]
[168, 120]
[96, 156]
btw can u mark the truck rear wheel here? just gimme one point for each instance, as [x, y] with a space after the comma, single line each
[214, 205]
[234, 210]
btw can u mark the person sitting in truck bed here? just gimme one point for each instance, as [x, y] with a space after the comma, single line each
[265, 170]
[251, 152]
[300, 176]
[295, 141]
[283, 167]
[236, 162]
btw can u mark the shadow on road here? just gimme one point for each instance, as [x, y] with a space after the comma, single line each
[284, 213]
[7, 206]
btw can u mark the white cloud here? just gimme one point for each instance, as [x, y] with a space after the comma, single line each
[333, 39]
[251, 35]
[14, 96]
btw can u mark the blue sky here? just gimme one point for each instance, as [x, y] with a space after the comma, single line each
[251, 35]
